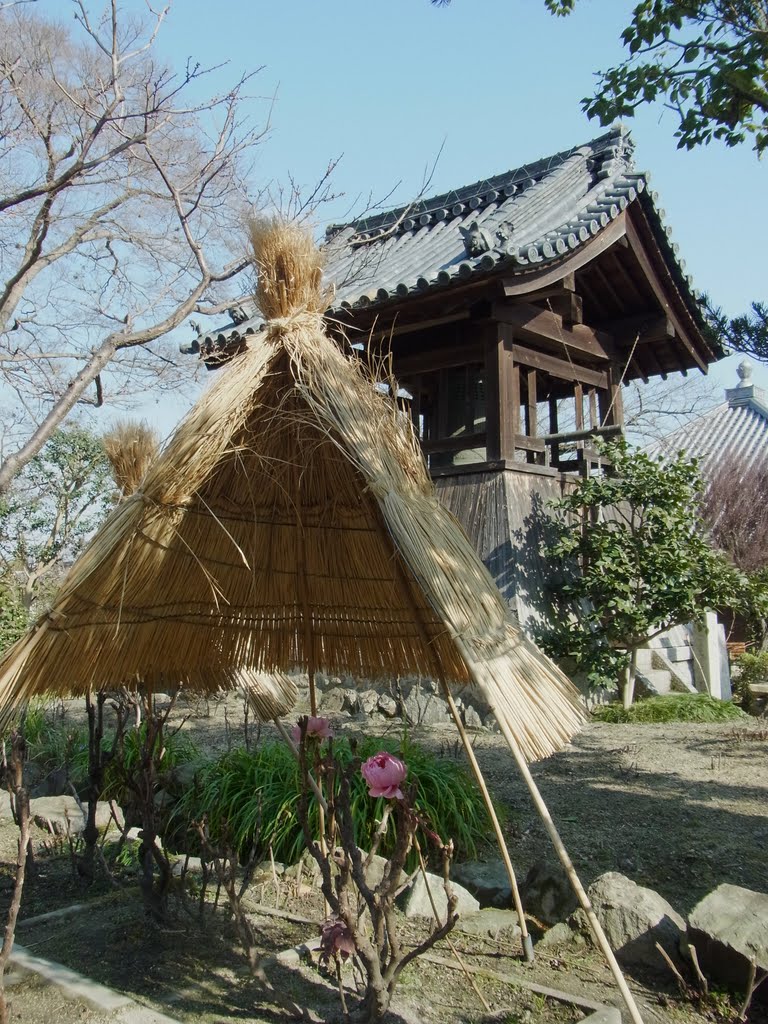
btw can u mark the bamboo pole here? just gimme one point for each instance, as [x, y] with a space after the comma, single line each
[525, 937]
[570, 870]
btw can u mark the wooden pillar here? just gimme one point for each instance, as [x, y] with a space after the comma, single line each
[502, 393]
[531, 412]
[610, 401]
[554, 456]
[593, 420]
[578, 400]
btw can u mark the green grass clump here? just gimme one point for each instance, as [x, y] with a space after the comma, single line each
[253, 796]
[673, 707]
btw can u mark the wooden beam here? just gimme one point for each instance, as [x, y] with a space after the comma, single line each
[582, 435]
[532, 322]
[567, 283]
[560, 368]
[455, 444]
[408, 327]
[644, 330]
[438, 359]
[638, 250]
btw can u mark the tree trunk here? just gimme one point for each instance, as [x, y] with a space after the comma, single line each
[95, 779]
[18, 750]
[627, 683]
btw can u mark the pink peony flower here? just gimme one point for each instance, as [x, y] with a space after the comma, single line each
[384, 774]
[320, 728]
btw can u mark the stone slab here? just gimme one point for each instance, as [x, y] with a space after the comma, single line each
[729, 927]
[415, 900]
[488, 882]
[64, 816]
[489, 922]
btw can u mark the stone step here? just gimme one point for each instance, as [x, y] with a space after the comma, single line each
[678, 654]
[656, 679]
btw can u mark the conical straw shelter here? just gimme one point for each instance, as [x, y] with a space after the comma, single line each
[291, 523]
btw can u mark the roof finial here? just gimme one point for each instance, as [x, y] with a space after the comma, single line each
[744, 371]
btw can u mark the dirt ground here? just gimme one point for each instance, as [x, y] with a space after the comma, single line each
[680, 808]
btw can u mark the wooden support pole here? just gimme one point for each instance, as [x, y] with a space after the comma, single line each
[567, 863]
[525, 937]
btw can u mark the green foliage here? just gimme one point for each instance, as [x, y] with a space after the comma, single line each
[50, 512]
[747, 333]
[674, 707]
[706, 60]
[177, 750]
[635, 562]
[253, 796]
[54, 744]
[13, 616]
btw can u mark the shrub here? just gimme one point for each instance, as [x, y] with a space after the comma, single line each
[678, 707]
[253, 796]
[750, 669]
[55, 745]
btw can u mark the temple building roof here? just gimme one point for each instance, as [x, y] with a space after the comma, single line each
[522, 225]
[735, 430]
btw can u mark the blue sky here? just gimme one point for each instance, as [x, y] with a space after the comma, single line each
[495, 83]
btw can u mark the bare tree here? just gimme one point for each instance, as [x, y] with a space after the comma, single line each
[655, 409]
[121, 193]
[735, 508]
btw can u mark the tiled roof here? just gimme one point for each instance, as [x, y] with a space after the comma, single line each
[737, 430]
[518, 221]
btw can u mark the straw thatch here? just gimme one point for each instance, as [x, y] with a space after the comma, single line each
[290, 523]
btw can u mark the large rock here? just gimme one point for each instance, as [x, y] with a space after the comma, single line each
[547, 894]
[387, 705]
[729, 927]
[488, 881]
[635, 919]
[422, 707]
[62, 815]
[415, 901]
[333, 701]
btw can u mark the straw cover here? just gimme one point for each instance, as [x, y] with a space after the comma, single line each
[290, 523]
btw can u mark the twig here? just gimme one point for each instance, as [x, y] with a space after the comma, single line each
[451, 945]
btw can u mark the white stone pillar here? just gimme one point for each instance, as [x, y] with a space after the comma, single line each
[711, 670]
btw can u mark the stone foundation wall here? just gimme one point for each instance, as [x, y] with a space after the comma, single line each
[413, 701]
